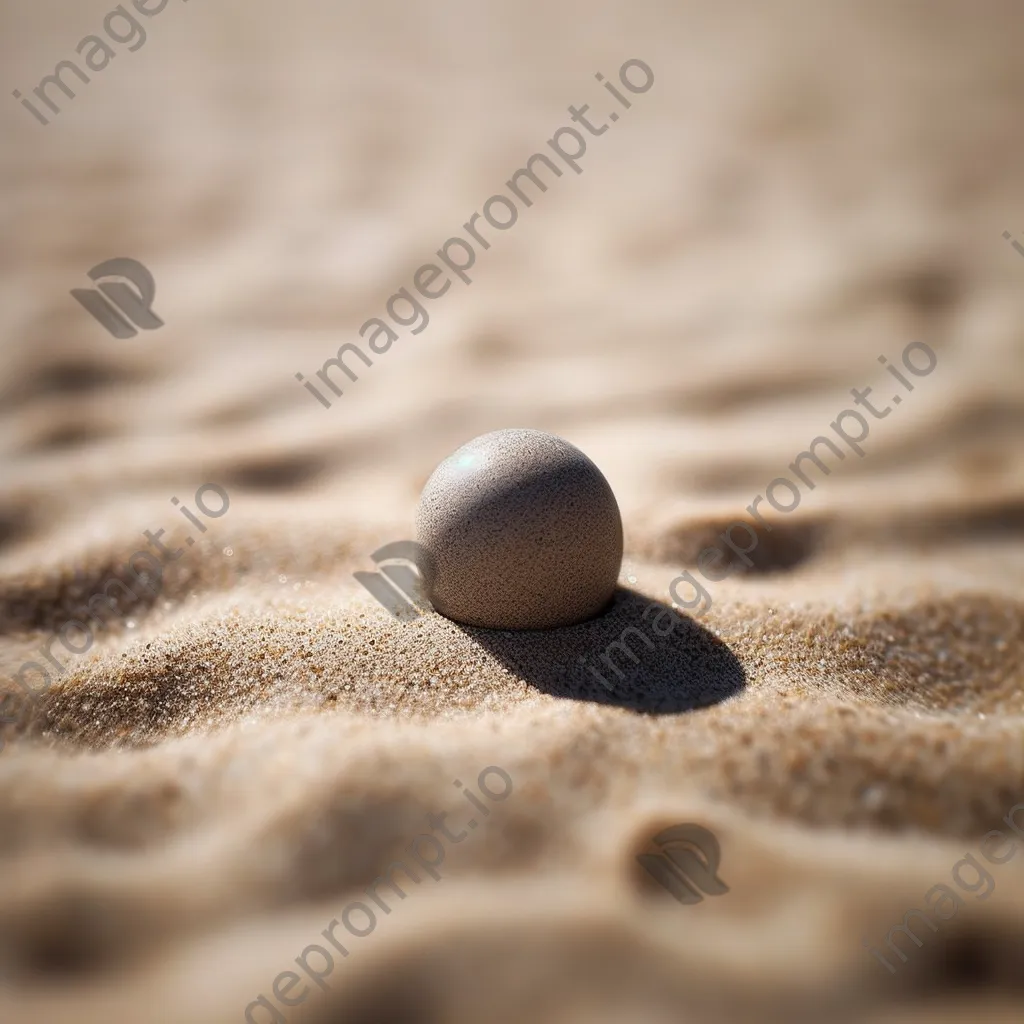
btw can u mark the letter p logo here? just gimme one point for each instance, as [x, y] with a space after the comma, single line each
[122, 306]
[689, 864]
[399, 587]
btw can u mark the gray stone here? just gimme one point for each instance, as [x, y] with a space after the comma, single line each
[521, 531]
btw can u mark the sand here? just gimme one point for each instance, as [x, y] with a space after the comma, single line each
[197, 796]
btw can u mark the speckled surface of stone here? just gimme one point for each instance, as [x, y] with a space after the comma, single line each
[523, 532]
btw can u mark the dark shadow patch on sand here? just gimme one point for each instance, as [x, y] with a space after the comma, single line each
[65, 435]
[933, 290]
[1001, 519]
[75, 929]
[782, 549]
[998, 519]
[790, 544]
[15, 523]
[967, 958]
[274, 474]
[77, 375]
[686, 668]
[46, 605]
[718, 397]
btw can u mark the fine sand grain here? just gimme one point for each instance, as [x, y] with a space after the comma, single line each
[806, 186]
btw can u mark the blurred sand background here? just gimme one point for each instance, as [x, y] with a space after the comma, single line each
[807, 186]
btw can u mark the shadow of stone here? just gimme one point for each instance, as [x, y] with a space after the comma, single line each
[679, 667]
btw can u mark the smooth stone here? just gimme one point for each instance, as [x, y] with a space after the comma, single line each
[521, 531]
